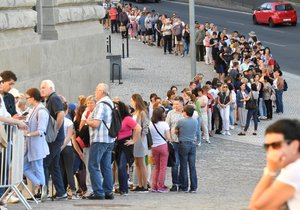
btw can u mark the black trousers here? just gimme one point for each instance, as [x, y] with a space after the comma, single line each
[114, 26]
[168, 42]
[158, 39]
[269, 108]
[200, 52]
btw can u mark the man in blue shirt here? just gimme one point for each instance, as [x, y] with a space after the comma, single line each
[187, 130]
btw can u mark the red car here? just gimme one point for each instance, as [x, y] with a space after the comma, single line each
[274, 13]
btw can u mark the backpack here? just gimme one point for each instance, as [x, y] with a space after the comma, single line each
[285, 85]
[51, 131]
[116, 121]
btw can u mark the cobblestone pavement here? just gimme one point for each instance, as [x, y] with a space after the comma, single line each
[228, 169]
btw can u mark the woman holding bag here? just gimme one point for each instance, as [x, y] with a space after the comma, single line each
[160, 132]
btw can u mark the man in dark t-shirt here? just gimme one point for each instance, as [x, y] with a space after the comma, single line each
[51, 162]
[9, 80]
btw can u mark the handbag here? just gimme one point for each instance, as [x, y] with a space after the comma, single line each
[122, 28]
[172, 157]
[251, 103]
[149, 137]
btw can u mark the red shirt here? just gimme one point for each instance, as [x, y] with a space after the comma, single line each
[113, 13]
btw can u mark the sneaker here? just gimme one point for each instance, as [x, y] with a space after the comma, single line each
[74, 197]
[92, 196]
[174, 188]
[13, 199]
[227, 133]
[163, 190]
[223, 133]
[44, 194]
[199, 144]
[241, 134]
[136, 189]
[231, 127]
[123, 193]
[143, 190]
[62, 197]
[109, 196]
[193, 191]
[153, 189]
[207, 141]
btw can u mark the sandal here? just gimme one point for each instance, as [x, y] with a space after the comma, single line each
[241, 134]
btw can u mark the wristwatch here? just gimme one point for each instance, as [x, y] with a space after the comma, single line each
[28, 135]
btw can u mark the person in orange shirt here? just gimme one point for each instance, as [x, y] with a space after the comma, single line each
[113, 17]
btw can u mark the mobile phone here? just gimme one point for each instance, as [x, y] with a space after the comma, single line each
[25, 114]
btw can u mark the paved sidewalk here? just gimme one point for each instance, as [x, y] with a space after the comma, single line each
[228, 169]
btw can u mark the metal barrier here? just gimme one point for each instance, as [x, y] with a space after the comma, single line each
[12, 163]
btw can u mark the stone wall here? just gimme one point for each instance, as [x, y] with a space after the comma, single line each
[69, 48]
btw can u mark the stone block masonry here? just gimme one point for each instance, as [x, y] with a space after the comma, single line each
[69, 47]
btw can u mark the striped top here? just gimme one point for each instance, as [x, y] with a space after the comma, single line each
[102, 112]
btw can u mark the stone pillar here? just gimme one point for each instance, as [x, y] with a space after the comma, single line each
[66, 18]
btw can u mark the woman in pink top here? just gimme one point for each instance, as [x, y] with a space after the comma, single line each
[123, 151]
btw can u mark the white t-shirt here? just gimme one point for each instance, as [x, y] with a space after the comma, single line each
[203, 100]
[290, 175]
[162, 127]
[3, 110]
[67, 124]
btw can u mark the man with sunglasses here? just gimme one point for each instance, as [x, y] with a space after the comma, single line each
[283, 155]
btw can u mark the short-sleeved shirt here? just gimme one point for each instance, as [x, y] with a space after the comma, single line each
[162, 127]
[102, 112]
[290, 176]
[128, 124]
[67, 124]
[113, 13]
[187, 129]
[141, 22]
[172, 119]
[55, 105]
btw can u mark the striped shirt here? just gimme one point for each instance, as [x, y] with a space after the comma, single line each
[102, 112]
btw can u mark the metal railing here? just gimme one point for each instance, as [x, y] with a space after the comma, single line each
[12, 164]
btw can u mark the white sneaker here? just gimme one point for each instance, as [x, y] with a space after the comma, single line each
[223, 133]
[13, 199]
[207, 141]
[231, 127]
[227, 133]
[44, 194]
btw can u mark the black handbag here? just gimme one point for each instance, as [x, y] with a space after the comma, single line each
[149, 139]
[251, 103]
[172, 157]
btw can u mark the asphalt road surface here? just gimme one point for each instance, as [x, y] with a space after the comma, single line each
[284, 41]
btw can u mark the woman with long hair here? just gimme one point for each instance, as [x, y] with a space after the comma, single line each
[224, 101]
[140, 149]
[124, 152]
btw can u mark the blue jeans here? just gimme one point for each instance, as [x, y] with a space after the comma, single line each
[122, 172]
[251, 113]
[187, 155]
[199, 133]
[175, 168]
[34, 171]
[100, 162]
[186, 48]
[52, 165]
[262, 108]
[279, 103]
[231, 115]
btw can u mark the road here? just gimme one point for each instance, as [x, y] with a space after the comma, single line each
[284, 41]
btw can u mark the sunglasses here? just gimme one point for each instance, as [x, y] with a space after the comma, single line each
[225, 86]
[1, 81]
[275, 145]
